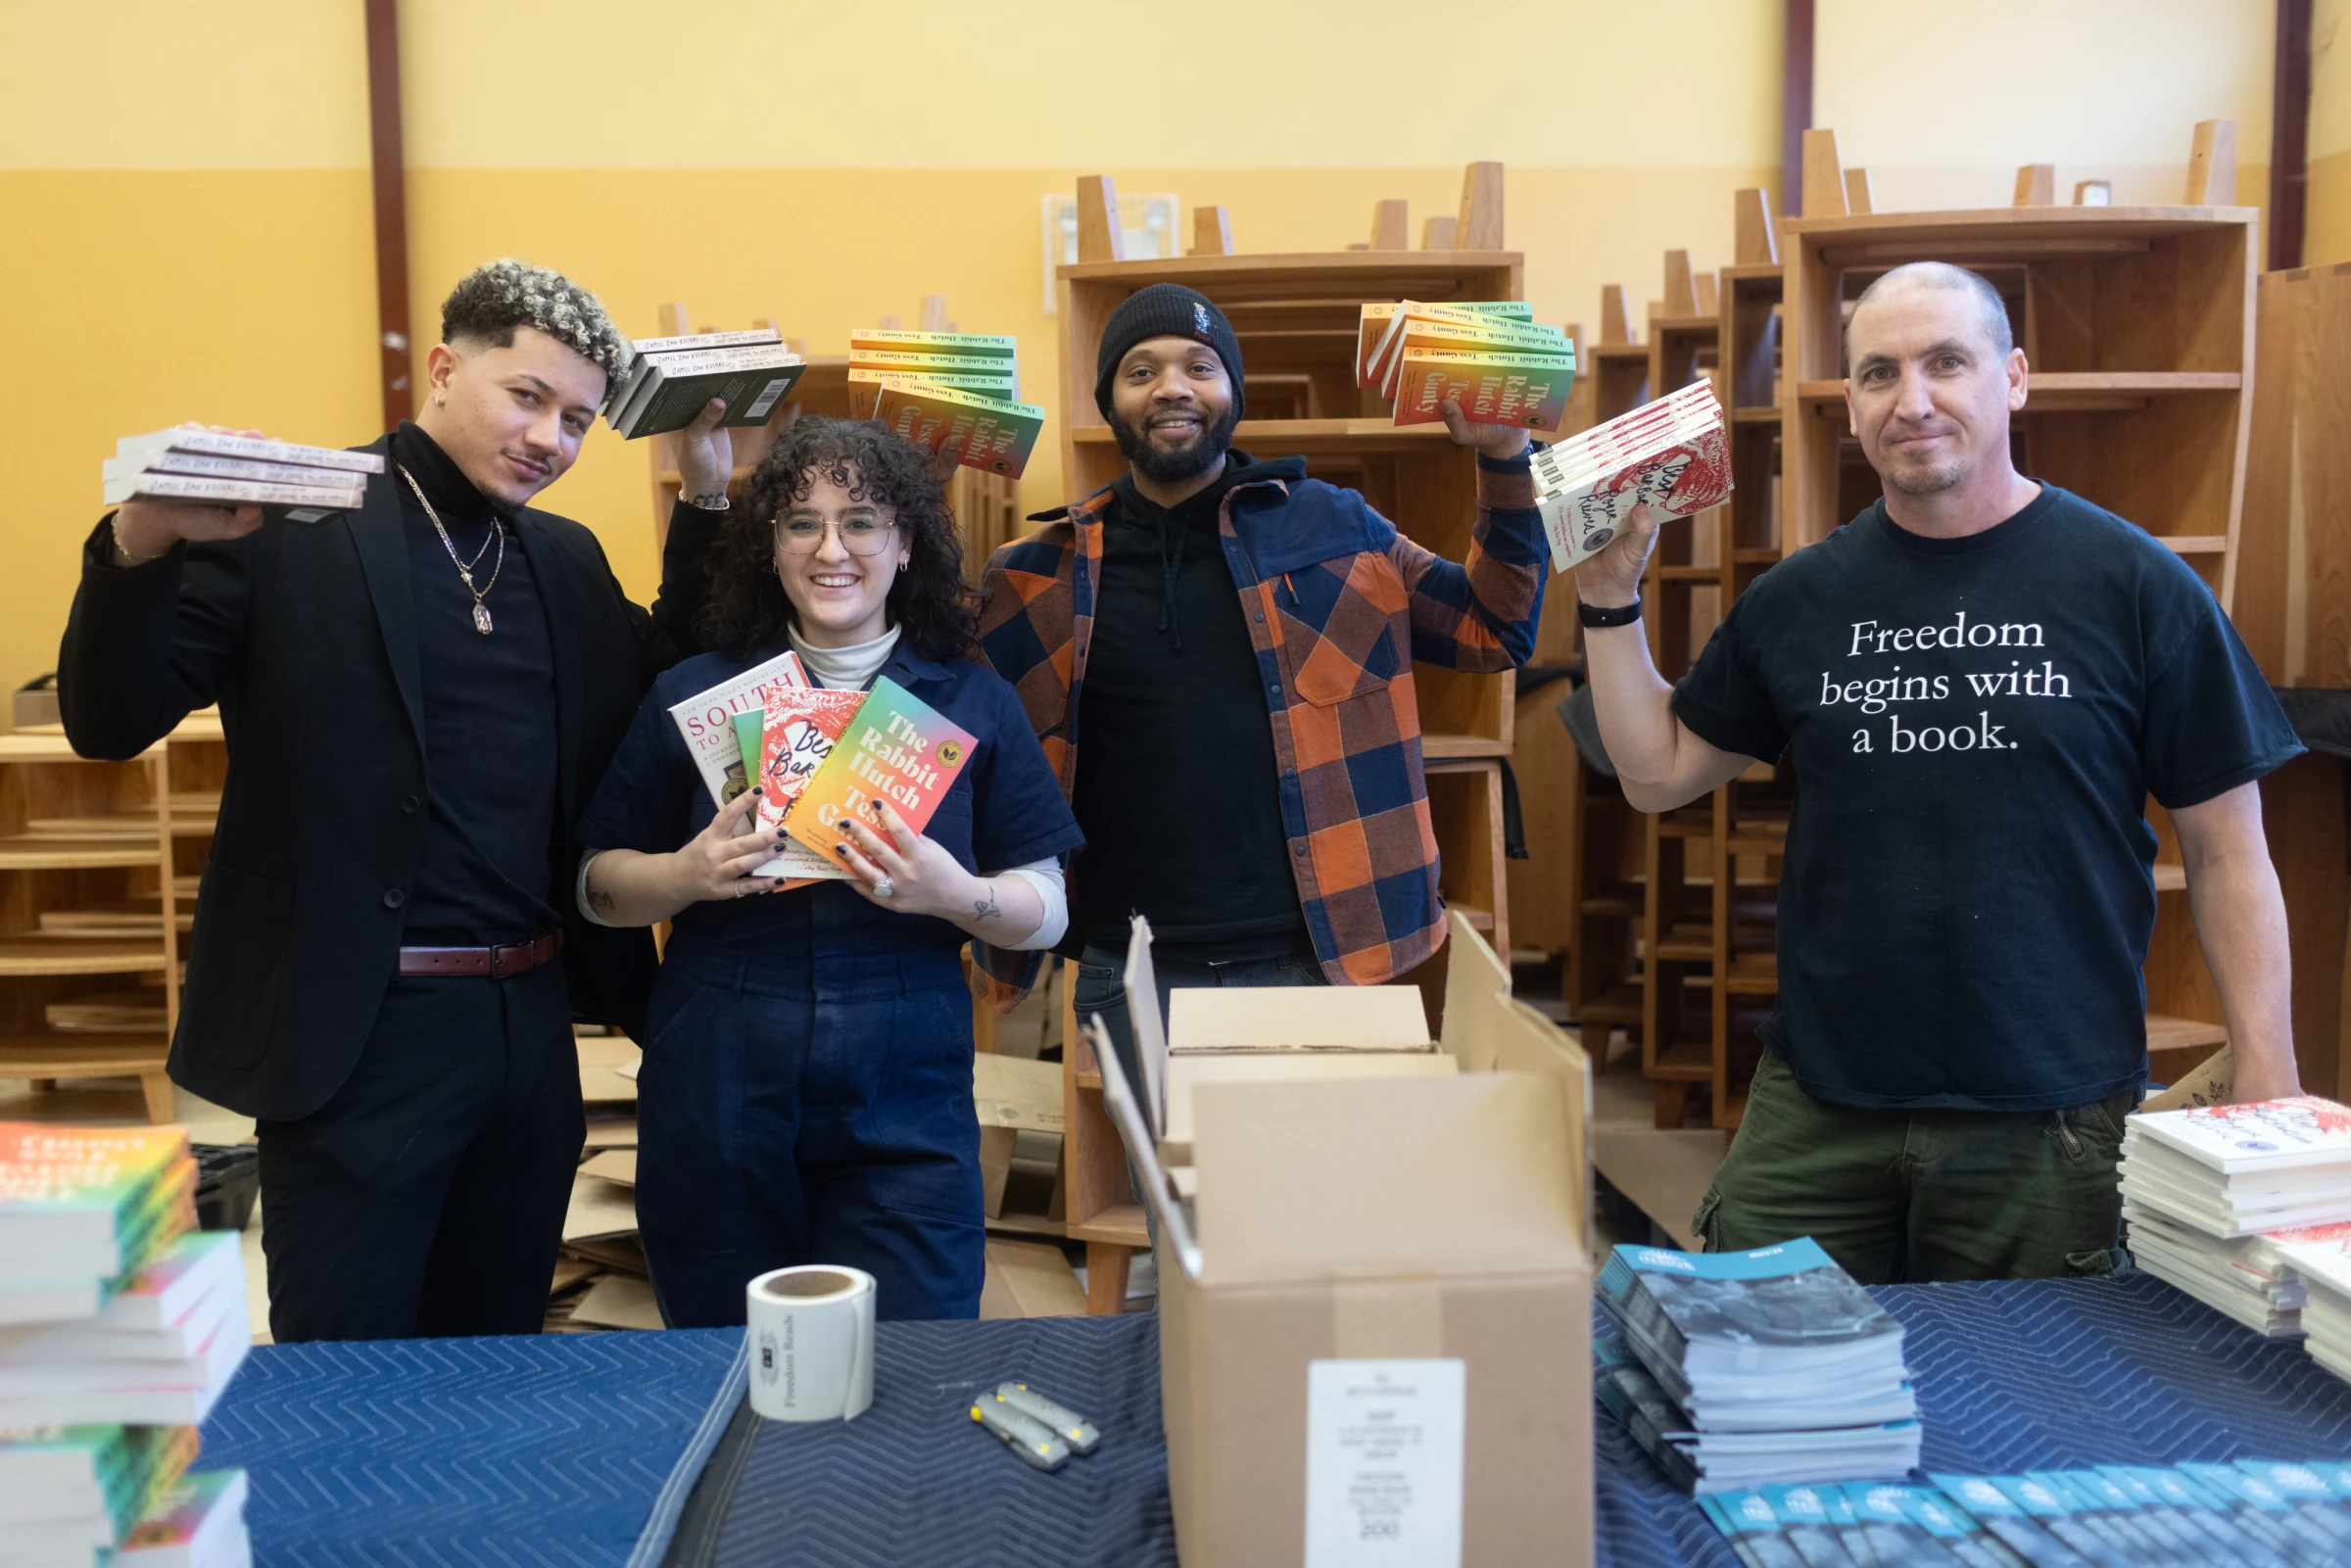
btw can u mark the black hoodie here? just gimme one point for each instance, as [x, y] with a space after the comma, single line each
[1177, 784]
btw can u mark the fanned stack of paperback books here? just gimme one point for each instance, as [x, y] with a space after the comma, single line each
[670, 381]
[120, 1327]
[2229, 1170]
[2319, 1257]
[215, 468]
[1669, 455]
[936, 387]
[2266, 1513]
[1487, 356]
[2245, 1277]
[1769, 1365]
[819, 755]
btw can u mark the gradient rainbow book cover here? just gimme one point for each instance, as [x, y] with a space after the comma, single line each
[898, 748]
[1526, 391]
[1376, 317]
[966, 345]
[865, 386]
[799, 728]
[89, 1190]
[997, 435]
[1464, 335]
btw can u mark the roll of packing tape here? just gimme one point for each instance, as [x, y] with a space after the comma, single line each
[812, 1342]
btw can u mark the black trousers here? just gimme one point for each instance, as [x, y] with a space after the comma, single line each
[427, 1195]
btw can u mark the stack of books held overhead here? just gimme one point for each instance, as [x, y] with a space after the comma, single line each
[1485, 356]
[819, 756]
[215, 468]
[936, 387]
[670, 381]
[122, 1326]
[1668, 455]
[1764, 1367]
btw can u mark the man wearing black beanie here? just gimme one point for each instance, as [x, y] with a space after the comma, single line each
[1167, 618]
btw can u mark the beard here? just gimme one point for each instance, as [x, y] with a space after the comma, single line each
[1927, 479]
[1199, 455]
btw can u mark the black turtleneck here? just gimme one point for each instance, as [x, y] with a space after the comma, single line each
[1177, 789]
[483, 873]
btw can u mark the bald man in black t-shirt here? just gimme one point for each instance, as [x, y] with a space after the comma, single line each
[1981, 678]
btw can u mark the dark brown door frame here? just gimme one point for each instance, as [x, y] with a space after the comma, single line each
[390, 167]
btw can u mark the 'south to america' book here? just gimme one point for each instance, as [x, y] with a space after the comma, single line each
[708, 720]
[897, 748]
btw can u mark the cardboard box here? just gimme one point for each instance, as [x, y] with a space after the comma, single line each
[1012, 1096]
[1376, 1313]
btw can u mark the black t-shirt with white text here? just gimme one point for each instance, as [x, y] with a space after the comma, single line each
[1977, 724]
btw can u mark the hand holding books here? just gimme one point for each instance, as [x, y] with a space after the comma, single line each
[206, 482]
[718, 864]
[920, 876]
[706, 453]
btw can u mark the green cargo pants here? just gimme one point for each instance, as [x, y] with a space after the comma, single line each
[1899, 1195]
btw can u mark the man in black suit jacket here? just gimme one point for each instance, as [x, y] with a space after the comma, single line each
[419, 698]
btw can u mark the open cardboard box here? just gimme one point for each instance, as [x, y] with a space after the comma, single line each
[1376, 1299]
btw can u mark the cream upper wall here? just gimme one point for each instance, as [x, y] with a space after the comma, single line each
[2330, 78]
[1943, 104]
[1230, 83]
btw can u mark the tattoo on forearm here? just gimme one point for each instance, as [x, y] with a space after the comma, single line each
[987, 908]
[603, 902]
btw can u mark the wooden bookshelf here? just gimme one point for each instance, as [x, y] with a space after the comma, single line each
[89, 915]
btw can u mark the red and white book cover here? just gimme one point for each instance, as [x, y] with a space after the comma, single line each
[801, 725]
[1679, 470]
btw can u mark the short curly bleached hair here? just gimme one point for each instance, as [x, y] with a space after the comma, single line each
[489, 302]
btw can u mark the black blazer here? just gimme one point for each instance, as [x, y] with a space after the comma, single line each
[305, 635]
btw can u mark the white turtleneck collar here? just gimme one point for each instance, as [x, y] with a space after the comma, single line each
[845, 669]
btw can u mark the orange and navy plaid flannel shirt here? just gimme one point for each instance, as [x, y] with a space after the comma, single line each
[1339, 605]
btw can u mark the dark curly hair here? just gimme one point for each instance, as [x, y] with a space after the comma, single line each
[746, 609]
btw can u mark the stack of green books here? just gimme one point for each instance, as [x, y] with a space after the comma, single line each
[120, 1327]
[935, 388]
[1487, 356]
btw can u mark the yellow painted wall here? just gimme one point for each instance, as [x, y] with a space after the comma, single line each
[184, 191]
[2327, 237]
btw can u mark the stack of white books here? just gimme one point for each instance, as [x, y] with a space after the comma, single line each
[193, 464]
[120, 1327]
[2241, 1276]
[2321, 1259]
[670, 381]
[1669, 455]
[2231, 1170]
[1778, 1366]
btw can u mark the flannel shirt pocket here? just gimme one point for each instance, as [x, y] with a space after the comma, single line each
[1339, 627]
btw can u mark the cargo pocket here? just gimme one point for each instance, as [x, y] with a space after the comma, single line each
[1701, 1223]
[236, 966]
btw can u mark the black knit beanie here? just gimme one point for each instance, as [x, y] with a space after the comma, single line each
[1165, 311]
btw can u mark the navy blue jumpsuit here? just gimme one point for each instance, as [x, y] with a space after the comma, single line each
[806, 1092]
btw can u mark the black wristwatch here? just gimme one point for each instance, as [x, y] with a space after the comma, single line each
[1621, 615]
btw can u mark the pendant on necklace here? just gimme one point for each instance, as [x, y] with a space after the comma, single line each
[481, 617]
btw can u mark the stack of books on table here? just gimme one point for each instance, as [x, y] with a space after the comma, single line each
[936, 387]
[2239, 1206]
[1669, 455]
[120, 1326]
[1768, 1366]
[215, 468]
[1486, 356]
[670, 381]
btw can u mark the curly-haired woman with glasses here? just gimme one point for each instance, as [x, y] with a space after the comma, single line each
[806, 1092]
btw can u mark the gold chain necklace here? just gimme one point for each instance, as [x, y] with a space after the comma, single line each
[481, 611]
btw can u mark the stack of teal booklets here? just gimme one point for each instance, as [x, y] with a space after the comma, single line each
[2255, 1513]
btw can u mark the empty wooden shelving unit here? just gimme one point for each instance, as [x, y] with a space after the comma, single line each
[2137, 324]
[90, 916]
[1297, 317]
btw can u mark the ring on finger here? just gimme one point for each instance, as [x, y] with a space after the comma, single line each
[885, 889]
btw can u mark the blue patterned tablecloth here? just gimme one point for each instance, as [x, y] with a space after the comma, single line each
[512, 1452]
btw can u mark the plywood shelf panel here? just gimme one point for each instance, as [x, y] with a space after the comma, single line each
[1120, 1225]
[69, 955]
[41, 1054]
[44, 852]
[2167, 1033]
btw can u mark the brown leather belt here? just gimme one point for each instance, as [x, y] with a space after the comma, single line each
[495, 961]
